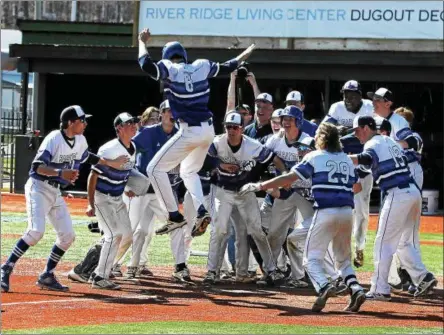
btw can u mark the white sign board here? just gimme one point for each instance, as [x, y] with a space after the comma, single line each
[298, 19]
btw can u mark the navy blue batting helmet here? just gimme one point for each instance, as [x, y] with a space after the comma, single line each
[294, 112]
[172, 49]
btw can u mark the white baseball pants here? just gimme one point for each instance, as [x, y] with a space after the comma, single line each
[249, 211]
[330, 225]
[362, 211]
[142, 212]
[297, 239]
[190, 214]
[188, 147]
[44, 200]
[114, 221]
[400, 212]
[418, 176]
[283, 215]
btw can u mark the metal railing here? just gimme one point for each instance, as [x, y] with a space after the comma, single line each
[11, 125]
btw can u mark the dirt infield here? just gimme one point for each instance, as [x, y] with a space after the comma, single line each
[16, 203]
[159, 299]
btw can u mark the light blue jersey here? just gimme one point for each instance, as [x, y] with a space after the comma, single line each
[389, 164]
[333, 176]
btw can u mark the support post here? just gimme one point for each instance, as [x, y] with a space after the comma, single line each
[24, 100]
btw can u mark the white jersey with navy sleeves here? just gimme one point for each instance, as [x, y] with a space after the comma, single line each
[112, 181]
[291, 154]
[339, 115]
[333, 176]
[400, 127]
[249, 153]
[58, 152]
[389, 166]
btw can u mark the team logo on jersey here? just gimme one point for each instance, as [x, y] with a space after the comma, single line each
[67, 158]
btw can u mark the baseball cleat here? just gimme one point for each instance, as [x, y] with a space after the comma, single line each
[143, 271]
[356, 301]
[170, 226]
[210, 278]
[116, 271]
[183, 276]
[397, 288]
[105, 284]
[412, 289]
[295, 283]
[73, 276]
[244, 280]
[341, 287]
[378, 296]
[131, 272]
[91, 278]
[48, 281]
[225, 275]
[6, 271]
[358, 261]
[269, 279]
[427, 284]
[202, 222]
[326, 292]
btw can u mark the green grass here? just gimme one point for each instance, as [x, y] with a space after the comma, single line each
[160, 252]
[184, 327]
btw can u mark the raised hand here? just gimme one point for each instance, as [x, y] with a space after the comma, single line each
[144, 35]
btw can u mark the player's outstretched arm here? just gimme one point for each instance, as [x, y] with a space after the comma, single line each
[276, 182]
[67, 174]
[91, 188]
[146, 63]
[231, 65]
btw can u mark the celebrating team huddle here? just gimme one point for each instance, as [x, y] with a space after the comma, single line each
[290, 193]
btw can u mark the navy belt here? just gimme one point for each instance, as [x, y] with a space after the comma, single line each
[402, 186]
[53, 183]
[199, 124]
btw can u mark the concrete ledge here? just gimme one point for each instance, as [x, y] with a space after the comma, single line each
[345, 44]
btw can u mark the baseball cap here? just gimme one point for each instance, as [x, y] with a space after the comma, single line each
[383, 124]
[243, 106]
[383, 93]
[351, 85]
[233, 117]
[264, 97]
[277, 113]
[73, 113]
[123, 118]
[294, 96]
[164, 105]
[362, 121]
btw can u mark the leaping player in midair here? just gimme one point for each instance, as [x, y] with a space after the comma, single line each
[188, 91]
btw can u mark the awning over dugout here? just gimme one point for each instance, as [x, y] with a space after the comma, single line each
[272, 64]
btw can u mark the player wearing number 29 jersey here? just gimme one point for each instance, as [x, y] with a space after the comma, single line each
[333, 176]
